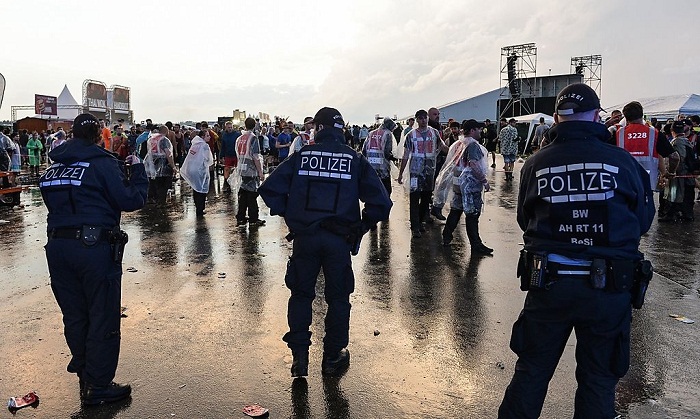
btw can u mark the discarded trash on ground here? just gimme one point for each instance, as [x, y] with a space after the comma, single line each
[682, 319]
[131, 269]
[376, 332]
[222, 275]
[123, 312]
[255, 411]
[19, 402]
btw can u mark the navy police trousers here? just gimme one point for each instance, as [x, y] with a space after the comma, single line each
[87, 285]
[601, 321]
[310, 253]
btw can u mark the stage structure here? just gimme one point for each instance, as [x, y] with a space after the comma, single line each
[518, 69]
[591, 68]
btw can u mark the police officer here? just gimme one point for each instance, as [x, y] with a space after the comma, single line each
[317, 191]
[583, 205]
[85, 190]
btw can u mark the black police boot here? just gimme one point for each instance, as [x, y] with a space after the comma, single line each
[300, 363]
[335, 364]
[112, 392]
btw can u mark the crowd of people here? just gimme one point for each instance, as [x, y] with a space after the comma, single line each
[315, 174]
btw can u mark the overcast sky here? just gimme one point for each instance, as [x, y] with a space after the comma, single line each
[197, 60]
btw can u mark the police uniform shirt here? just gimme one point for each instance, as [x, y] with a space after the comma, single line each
[584, 198]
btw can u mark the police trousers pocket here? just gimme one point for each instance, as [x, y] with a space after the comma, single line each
[349, 279]
[290, 278]
[517, 338]
[621, 357]
[621, 274]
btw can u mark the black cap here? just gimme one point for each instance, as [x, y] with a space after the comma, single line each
[678, 127]
[470, 124]
[576, 98]
[329, 117]
[83, 121]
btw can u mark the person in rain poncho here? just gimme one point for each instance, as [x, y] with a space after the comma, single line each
[195, 170]
[420, 149]
[248, 176]
[34, 147]
[463, 177]
[160, 165]
[378, 150]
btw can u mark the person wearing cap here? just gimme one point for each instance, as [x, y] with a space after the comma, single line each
[379, 149]
[317, 191]
[248, 175]
[85, 191]
[645, 143]
[464, 178]
[508, 137]
[679, 191]
[305, 137]
[583, 205]
[421, 147]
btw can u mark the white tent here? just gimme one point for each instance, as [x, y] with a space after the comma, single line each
[534, 120]
[66, 99]
[665, 107]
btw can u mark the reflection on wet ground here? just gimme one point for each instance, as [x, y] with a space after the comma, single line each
[429, 326]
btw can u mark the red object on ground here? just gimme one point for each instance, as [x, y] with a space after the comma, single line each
[19, 402]
[255, 410]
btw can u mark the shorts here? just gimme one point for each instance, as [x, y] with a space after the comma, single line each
[509, 158]
[230, 161]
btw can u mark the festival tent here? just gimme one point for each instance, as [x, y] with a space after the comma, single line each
[66, 99]
[665, 107]
[533, 120]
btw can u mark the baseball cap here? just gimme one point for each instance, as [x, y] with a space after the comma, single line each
[470, 124]
[421, 113]
[576, 98]
[329, 117]
[678, 127]
[84, 120]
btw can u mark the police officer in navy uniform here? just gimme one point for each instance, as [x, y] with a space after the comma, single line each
[85, 191]
[583, 206]
[317, 191]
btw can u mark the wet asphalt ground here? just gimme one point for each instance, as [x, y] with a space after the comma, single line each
[206, 310]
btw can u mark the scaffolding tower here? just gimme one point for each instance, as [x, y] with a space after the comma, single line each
[518, 71]
[591, 68]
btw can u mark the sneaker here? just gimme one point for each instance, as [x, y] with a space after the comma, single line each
[242, 223]
[300, 364]
[257, 223]
[437, 213]
[112, 392]
[335, 364]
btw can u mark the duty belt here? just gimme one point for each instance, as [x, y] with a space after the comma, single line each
[561, 269]
[76, 234]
